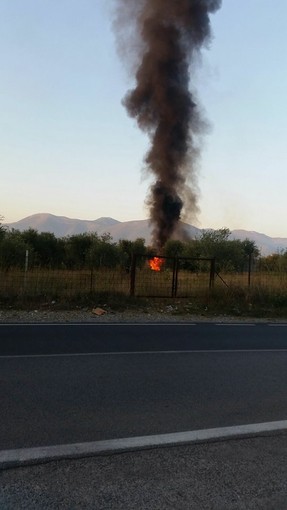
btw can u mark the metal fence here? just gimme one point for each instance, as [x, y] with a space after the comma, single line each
[171, 276]
[174, 277]
[53, 283]
[271, 280]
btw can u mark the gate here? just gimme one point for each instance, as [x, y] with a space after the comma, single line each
[173, 277]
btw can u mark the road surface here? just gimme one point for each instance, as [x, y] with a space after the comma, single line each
[65, 384]
[24, 339]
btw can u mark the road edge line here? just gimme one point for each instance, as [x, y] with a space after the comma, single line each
[29, 456]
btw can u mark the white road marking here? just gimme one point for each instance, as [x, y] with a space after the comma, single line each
[240, 324]
[283, 325]
[110, 324]
[135, 353]
[147, 324]
[25, 456]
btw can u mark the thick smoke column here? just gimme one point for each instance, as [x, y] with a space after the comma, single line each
[172, 33]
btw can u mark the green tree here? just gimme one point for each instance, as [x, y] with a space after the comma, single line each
[230, 255]
[277, 262]
[173, 248]
[3, 229]
[12, 250]
[45, 250]
[128, 249]
[77, 249]
[103, 253]
[250, 248]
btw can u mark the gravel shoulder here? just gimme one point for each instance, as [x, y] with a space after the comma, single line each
[166, 314]
[246, 474]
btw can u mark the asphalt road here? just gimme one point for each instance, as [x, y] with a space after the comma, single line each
[27, 339]
[63, 384]
[128, 380]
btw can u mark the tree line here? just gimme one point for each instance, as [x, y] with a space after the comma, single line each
[90, 250]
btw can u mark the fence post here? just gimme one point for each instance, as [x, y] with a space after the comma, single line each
[92, 280]
[212, 273]
[133, 275]
[174, 278]
[26, 268]
[249, 268]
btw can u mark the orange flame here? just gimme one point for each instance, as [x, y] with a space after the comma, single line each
[156, 263]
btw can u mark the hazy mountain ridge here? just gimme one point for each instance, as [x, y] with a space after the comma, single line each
[62, 226]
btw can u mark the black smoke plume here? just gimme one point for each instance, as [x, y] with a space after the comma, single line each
[171, 34]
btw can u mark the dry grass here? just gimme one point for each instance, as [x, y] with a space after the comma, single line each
[274, 281]
[267, 295]
[62, 283]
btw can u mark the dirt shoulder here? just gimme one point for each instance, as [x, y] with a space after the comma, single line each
[165, 314]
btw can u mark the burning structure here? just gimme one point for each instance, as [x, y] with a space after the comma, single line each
[170, 34]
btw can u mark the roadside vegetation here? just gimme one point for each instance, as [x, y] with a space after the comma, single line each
[84, 269]
[86, 251]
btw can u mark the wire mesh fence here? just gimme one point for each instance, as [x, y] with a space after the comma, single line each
[194, 276]
[147, 277]
[256, 279]
[152, 277]
[62, 283]
[171, 276]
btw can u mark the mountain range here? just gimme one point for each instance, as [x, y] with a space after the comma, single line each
[131, 230]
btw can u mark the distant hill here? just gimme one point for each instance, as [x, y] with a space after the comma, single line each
[62, 227]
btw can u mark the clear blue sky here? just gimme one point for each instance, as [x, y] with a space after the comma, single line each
[69, 148]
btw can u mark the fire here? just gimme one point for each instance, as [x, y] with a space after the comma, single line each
[156, 263]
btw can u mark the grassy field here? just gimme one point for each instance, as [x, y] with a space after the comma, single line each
[266, 296]
[272, 280]
[63, 283]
